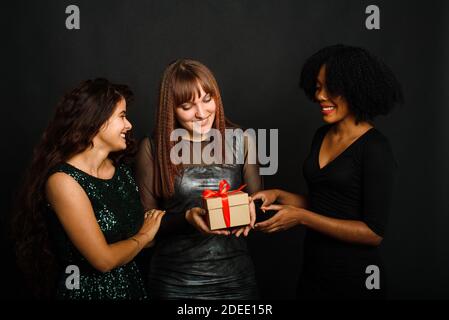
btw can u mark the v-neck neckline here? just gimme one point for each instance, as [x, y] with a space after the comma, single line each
[341, 153]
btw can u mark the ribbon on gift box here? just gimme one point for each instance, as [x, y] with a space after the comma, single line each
[223, 192]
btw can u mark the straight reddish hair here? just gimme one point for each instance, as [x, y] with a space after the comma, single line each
[180, 83]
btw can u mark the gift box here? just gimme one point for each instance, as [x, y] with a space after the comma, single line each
[226, 209]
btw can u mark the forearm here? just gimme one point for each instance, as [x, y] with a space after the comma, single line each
[353, 231]
[121, 253]
[292, 199]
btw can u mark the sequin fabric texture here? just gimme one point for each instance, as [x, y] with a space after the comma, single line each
[119, 213]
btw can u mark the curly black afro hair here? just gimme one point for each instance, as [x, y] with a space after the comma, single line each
[367, 84]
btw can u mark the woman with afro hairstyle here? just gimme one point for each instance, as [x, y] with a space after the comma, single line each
[350, 176]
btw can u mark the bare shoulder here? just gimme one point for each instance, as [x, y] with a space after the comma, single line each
[60, 180]
[60, 185]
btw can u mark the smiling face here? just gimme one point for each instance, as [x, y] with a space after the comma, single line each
[333, 109]
[112, 134]
[197, 115]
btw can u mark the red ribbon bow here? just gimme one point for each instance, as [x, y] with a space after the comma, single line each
[223, 192]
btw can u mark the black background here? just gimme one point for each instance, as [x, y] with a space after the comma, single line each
[256, 50]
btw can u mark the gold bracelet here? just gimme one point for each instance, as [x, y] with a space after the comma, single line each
[137, 241]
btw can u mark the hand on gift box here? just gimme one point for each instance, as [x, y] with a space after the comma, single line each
[246, 229]
[195, 217]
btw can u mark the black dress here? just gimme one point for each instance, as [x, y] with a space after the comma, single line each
[185, 263]
[119, 213]
[357, 185]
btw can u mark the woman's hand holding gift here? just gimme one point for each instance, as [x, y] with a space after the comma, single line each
[195, 217]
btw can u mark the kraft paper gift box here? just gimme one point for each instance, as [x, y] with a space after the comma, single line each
[238, 213]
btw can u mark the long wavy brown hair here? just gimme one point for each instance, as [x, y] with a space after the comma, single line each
[77, 119]
[179, 84]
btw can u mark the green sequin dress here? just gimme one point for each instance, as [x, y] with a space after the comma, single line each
[119, 213]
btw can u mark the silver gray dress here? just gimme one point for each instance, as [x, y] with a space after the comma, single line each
[187, 264]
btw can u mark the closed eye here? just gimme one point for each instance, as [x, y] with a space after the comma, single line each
[186, 106]
[207, 98]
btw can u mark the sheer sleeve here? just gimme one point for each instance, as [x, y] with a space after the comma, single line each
[251, 175]
[173, 222]
[145, 175]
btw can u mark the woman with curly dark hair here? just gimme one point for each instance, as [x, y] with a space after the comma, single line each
[79, 206]
[350, 174]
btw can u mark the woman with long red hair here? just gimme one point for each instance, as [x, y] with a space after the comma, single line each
[190, 261]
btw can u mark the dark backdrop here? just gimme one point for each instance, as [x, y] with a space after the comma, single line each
[256, 50]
